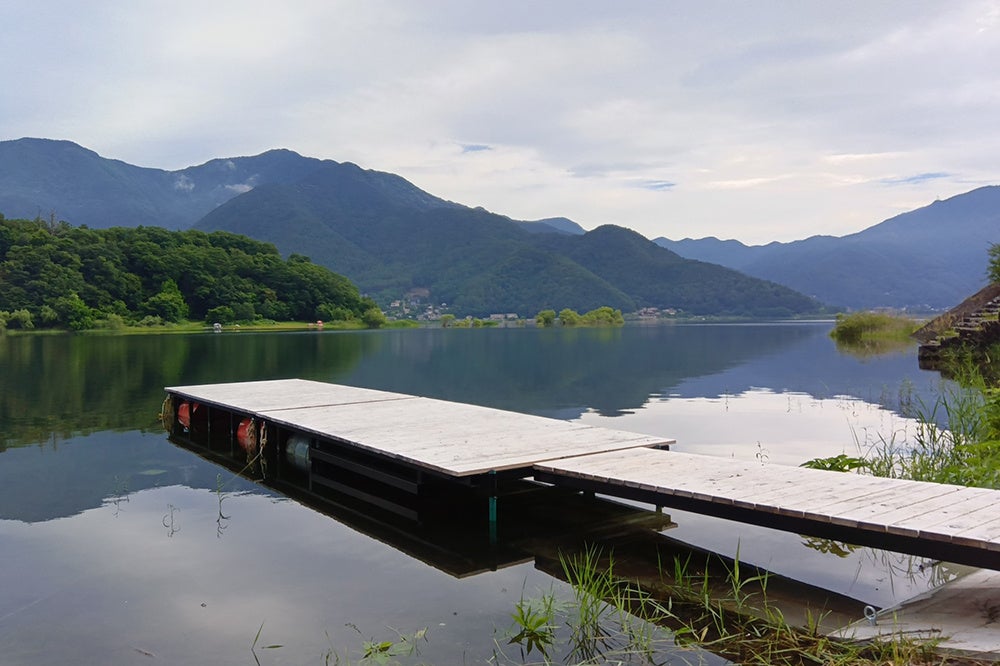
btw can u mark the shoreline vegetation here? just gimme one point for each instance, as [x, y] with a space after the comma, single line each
[869, 327]
[602, 316]
[869, 333]
[56, 276]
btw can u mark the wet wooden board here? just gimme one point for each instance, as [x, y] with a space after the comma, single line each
[451, 438]
[928, 511]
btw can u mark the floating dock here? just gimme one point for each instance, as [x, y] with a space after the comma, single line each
[384, 448]
[425, 466]
[387, 447]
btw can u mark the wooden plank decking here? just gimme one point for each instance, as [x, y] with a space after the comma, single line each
[952, 523]
[453, 439]
[460, 441]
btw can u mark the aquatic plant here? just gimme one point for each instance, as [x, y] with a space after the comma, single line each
[861, 326]
[691, 609]
[956, 439]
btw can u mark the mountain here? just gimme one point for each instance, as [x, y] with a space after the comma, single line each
[929, 258]
[561, 225]
[385, 234]
[42, 177]
[653, 277]
[391, 238]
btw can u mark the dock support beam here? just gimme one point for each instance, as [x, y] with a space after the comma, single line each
[492, 482]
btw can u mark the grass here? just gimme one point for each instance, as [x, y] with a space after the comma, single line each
[868, 325]
[956, 439]
[870, 333]
[611, 619]
[685, 613]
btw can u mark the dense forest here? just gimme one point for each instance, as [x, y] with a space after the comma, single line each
[54, 275]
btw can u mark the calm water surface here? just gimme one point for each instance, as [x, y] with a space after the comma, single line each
[120, 547]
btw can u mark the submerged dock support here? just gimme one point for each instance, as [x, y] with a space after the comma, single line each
[492, 481]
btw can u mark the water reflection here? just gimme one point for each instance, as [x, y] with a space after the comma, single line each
[53, 387]
[118, 543]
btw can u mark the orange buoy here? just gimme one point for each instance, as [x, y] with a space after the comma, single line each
[185, 412]
[184, 415]
[246, 436]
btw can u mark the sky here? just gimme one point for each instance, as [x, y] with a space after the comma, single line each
[755, 120]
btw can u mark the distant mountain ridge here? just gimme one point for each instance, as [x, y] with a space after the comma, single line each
[390, 237]
[39, 177]
[929, 258]
[382, 232]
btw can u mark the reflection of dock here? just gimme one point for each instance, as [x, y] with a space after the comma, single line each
[449, 531]
[390, 449]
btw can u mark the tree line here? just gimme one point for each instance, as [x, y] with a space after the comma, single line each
[54, 275]
[602, 316]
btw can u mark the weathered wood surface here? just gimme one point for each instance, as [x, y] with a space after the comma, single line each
[460, 440]
[451, 438]
[920, 510]
[264, 396]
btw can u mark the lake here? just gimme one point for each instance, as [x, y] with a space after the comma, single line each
[121, 547]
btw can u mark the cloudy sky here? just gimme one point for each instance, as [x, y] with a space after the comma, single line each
[751, 120]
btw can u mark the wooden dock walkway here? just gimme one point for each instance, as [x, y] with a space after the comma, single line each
[388, 443]
[448, 438]
[944, 522]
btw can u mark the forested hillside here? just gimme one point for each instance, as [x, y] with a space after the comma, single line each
[392, 238]
[56, 275]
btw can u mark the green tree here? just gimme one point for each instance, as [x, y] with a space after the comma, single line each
[373, 318]
[244, 311]
[73, 313]
[328, 312]
[546, 318]
[569, 317]
[21, 318]
[447, 320]
[168, 304]
[993, 271]
[222, 314]
[604, 316]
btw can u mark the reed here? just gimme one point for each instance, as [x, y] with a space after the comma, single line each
[956, 439]
[860, 326]
[613, 620]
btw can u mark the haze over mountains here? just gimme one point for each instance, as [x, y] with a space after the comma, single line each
[391, 238]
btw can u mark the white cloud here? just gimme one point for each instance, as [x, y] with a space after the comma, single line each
[768, 120]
